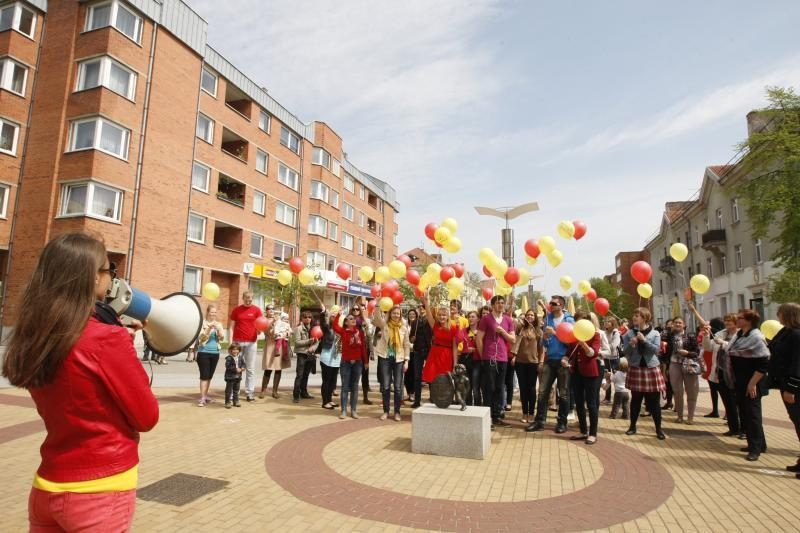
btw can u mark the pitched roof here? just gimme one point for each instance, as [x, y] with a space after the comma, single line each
[672, 210]
[721, 170]
[423, 257]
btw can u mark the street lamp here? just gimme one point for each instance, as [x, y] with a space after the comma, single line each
[507, 234]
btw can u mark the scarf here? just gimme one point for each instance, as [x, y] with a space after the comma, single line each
[750, 345]
[394, 334]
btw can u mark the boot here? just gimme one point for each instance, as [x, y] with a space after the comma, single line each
[366, 398]
[264, 383]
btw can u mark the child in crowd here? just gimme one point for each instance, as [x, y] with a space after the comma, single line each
[622, 396]
[234, 366]
[282, 330]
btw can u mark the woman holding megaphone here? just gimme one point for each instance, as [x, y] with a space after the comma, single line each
[89, 387]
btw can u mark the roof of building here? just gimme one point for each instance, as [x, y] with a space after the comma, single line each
[721, 170]
[672, 210]
[423, 257]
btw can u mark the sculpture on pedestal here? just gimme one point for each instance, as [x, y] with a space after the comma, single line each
[452, 387]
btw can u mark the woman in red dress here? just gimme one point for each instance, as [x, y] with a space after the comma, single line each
[443, 355]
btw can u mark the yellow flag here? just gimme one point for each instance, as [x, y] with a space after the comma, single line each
[571, 306]
[524, 305]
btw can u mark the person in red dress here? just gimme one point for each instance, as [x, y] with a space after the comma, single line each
[443, 354]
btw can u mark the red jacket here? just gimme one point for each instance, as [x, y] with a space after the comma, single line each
[583, 364]
[95, 408]
[354, 342]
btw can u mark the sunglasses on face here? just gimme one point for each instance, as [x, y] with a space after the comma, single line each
[554, 304]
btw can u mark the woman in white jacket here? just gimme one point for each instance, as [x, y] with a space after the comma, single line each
[614, 340]
[393, 349]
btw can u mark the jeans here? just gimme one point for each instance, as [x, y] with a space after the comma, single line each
[587, 394]
[508, 391]
[232, 390]
[71, 511]
[622, 399]
[391, 372]
[351, 374]
[475, 382]
[681, 381]
[329, 375]
[418, 361]
[305, 362]
[494, 379]
[612, 365]
[553, 372]
[249, 353]
[527, 375]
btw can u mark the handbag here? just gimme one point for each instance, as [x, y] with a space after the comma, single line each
[693, 365]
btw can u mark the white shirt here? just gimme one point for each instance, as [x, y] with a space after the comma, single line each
[618, 379]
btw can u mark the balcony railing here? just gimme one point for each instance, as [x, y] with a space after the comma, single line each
[667, 264]
[713, 238]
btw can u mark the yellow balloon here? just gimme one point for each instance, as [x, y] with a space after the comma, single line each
[503, 284]
[211, 290]
[524, 277]
[306, 276]
[382, 274]
[498, 267]
[397, 269]
[583, 330]
[453, 294]
[433, 270]
[386, 304]
[547, 244]
[700, 284]
[455, 284]
[584, 286]
[453, 245]
[284, 277]
[770, 328]
[450, 223]
[335, 310]
[442, 235]
[566, 230]
[554, 258]
[486, 255]
[678, 251]
[645, 290]
[365, 274]
[565, 282]
[531, 260]
[424, 283]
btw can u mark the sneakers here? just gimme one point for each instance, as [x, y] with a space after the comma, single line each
[535, 426]
[571, 417]
[201, 403]
[354, 416]
[237, 404]
[228, 405]
[250, 398]
[384, 416]
[397, 417]
[561, 428]
[342, 416]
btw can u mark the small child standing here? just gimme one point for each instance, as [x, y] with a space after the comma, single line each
[234, 366]
[622, 396]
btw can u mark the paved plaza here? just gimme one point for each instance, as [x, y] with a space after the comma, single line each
[278, 466]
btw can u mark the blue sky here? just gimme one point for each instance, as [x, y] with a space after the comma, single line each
[600, 111]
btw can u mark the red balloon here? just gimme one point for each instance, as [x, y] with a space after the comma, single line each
[430, 230]
[458, 268]
[580, 229]
[412, 276]
[343, 271]
[371, 306]
[532, 248]
[564, 333]
[641, 271]
[316, 332]
[296, 264]
[392, 283]
[397, 298]
[386, 290]
[261, 323]
[375, 291]
[438, 244]
[591, 295]
[446, 274]
[602, 306]
[512, 276]
[418, 293]
[487, 293]
[486, 272]
[405, 260]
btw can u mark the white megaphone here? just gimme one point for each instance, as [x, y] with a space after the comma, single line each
[173, 322]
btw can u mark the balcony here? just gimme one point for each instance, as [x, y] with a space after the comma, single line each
[234, 145]
[372, 200]
[667, 265]
[372, 252]
[372, 226]
[237, 100]
[712, 239]
[231, 191]
[227, 237]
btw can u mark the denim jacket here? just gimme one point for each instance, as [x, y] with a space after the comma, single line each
[648, 349]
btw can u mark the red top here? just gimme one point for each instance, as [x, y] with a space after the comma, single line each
[95, 408]
[244, 329]
[468, 345]
[354, 343]
[583, 364]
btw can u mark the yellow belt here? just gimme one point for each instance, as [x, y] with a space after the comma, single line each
[118, 482]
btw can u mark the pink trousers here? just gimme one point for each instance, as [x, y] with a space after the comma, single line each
[72, 511]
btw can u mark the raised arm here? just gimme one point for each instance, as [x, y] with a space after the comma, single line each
[696, 314]
[428, 311]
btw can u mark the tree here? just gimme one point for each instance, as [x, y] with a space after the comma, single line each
[291, 295]
[771, 190]
[620, 303]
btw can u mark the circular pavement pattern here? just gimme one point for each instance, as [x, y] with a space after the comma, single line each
[297, 464]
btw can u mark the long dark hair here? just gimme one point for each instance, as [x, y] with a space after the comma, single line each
[55, 308]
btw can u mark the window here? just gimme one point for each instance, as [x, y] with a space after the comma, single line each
[740, 299]
[262, 160]
[336, 168]
[709, 267]
[334, 197]
[200, 176]
[347, 241]
[380, 255]
[759, 256]
[708, 225]
[287, 176]
[321, 157]
[349, 183]
[192, 277]
[92, 200]
[9, 135]
[13, 76]
[723, 305]
[735, 210]
[317, 225]
[117, 15]
[17, 17]
[4, 192]
[282, 252]
[285, 214]
[697, 239]
[333, 231]
[380, 230]
[361, 193]
[197, 228]
[394, 239]
[108, 73]
[719, 219]
[316, 260]
[362, 219]
[99, 134]
[319, 191]
[723, 265]
[256, 245]
[208, 82]
[290, 140]
[264, 121]
[231, 190]
[331, 264]
[259, 202]
[372, 251]
[360, 247]
[205, 128]
[348, 212]
[737, 250]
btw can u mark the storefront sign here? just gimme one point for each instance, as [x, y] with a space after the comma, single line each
[358, 289]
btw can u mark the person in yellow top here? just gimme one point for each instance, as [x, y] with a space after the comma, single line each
[456, 318]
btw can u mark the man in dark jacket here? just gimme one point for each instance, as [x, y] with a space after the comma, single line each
[421, 336]
[304, 348]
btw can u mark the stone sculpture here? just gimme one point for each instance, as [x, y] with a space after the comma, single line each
[452, 387]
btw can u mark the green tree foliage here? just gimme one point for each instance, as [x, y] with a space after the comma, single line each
[293, 294]
[621, 303]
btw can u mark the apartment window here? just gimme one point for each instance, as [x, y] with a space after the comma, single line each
[205, 128]
[740, 299]
[719, 219]
[688, 240]
[9, 135]
[380, 230]
[4, 192]
[256, 245]
[336, 168]
[108, 73]
[759, 256]
[735, 210]
[372, 251]
[99, 134]
[18, 17]
[200, 176]
[348, 212]
[737, 250]
[316, 260]
[347, 241]
[264, 121]
[723, 305]
[349, 183]
[331, 264]
[286, 214]
[380, 255]
[723, 265]
[317, 226]
[259, 202]
[192, 277]
[231, 190]
[117, 15]
[709, 267]
[661, 286]
[282, 252]
[197, 228]
[362, 219]
[290, 140]
[262, 160]
[208, 82]
[92, 200]
[708, 225]
[321, 157]
[394, 239]
[287, 176]
[361, 193]
[319, 191]
[333, 231]
[13, 76]
[697, 239]
[360, 247]
[334, 197]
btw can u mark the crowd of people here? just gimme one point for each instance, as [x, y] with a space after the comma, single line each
[624, 365]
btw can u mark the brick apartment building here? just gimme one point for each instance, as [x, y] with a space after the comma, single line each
[622, 276]
[117, 118]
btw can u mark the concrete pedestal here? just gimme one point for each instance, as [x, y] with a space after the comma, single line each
[451, 432]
